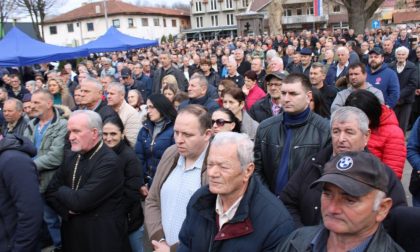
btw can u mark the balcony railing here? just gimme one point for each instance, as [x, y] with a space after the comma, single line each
[303, 19]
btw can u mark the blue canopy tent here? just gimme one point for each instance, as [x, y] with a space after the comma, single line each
[18, 49]
[114, 40]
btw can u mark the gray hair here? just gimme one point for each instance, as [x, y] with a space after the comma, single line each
[345, 114]
[323, 68]
[245, 146]
[120, 87]
[97, 83]
[32, 83]
[278, 59]
[402, 49]
[201, 79]
[380, 195]
[18, 104]
[271, 53]
[94, 120]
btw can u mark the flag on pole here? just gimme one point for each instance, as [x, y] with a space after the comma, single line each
[318, 8]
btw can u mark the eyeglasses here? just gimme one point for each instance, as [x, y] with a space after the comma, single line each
[276, 84]
[220, 122]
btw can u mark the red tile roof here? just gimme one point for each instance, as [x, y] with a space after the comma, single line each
[114, 7]
[406, 16]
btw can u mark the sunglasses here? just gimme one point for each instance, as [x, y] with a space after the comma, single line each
[220, 122]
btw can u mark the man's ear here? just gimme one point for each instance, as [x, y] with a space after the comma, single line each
[249, 170]
[383, 210]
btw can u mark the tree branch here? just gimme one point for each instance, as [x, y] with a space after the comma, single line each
[369, 10]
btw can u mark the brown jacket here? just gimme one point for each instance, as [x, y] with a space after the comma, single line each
[152, 213]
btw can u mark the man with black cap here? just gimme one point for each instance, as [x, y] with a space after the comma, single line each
[306, 60]
[353, 205]
[270, 105]
[145, 88]
[382, 77]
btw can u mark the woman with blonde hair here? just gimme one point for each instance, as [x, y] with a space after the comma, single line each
[169, 79]
[169, 91]
[60, 92]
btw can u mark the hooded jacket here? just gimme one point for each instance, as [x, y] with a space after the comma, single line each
[21, 207]
[387, 142]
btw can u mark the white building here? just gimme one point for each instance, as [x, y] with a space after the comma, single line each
[86, 23]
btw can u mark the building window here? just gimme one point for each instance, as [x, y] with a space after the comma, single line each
[130, 23]
[198, 6]
[229, 4]
[299, 12]
[90, 26]
[173, 22]
[215, 20]
[245, 3]
[53, 30]
[213, 4]
[199, 22]
[287, 12]
[116, 23]
[336, 8]
[229, 18]
[70, 27]
[164, 22]
[156, 22]
[144, 22]
[310, 11]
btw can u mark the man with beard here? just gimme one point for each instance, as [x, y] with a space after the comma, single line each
[357, 78]
[382, 77]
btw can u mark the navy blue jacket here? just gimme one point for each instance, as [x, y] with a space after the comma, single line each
[144, 85]
[387, 81]
[150, 151]
[205, 101]
[332, 72]
[259, 224]
[21, 207]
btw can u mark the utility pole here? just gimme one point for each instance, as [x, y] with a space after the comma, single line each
[106, 14]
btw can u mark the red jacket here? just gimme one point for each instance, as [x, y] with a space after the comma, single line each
[255, 94]
[387, 142]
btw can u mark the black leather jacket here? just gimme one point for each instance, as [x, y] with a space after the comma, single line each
[308, 138]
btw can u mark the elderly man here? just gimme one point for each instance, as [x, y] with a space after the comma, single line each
[15, 122]
[350, 132]
[354, 203]
[407, 74]
[357, 78]
[270, 105]
[180, 173]
[47, 132]
[21, 204]
[257, 67]
[107, 68]
[339, 70]
[242, 64]
[232, 73]
[276, 65]
[91, 91]
[3, 97]
[382, 77]
[282, 142]
[197, 94]
[15, 89]
[317, 75]
[130, 117]
[167, 69]
[87, 189]
[241, 202]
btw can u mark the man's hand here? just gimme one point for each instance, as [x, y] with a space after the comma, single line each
[144, 191]
[160, 246]
[417, 91]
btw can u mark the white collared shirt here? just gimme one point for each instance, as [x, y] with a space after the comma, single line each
[224, 217]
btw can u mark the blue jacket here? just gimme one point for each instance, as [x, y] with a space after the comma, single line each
[259, 224]
[413, 146]
[150, 151]
[144, 85]
[205, 101]
[332, 72]
[21, 207]
[387, 81]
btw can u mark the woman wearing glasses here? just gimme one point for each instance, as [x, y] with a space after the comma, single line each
[156, 135]
[223, 120]
[234, 100]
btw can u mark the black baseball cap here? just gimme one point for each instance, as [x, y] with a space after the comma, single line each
[306, 51]
[125, 72]
[356, 173]
[377, 50]
[278, 75]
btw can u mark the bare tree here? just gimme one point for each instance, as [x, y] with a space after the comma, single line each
[6, 8]
[275, 13]
[37, 10]
[360, 11]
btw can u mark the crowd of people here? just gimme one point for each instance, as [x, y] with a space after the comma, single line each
[292, 142]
